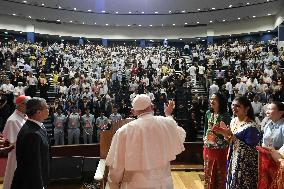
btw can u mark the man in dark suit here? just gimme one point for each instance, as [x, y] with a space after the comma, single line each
[32, 150]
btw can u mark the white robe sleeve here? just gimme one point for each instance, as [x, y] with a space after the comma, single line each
[11, 130]
[116, 160]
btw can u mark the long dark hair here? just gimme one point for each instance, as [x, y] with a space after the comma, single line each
[243, 100]
[222, 100]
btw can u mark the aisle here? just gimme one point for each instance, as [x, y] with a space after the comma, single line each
[181, 180]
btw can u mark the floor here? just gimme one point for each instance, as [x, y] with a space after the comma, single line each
[181, 180]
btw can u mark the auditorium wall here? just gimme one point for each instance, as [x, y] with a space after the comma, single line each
[111, 32]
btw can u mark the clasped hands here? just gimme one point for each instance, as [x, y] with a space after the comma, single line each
[5, 146]
[222, 129]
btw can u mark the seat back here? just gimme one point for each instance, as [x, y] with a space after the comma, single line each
[106, 136]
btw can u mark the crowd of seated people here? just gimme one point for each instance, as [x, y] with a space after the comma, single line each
[100, 81]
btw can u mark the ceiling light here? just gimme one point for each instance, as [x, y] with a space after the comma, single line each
[6, 32]
[83, 22]
[59, 7]
[170, 11]
[268, 14]
[128, 25]
[24, 1]
[213, 8]
[198, 9]
[103, 11]
[269, 31]
[239, 18]
[151, 25]
[106, 24]
[58, 20]
[14, 14]
[60, 36]
[30, 17]
[70, 21]
[183, 11]
[185, 23]
[248, 3]
[116, 12]
[174, 24]
[129, 12]
[42, 4]
[89, 10]
[180, 39]
[267, 0]
[253, 16]
[198, 38]
[156, 12]
[142, 12]
[197, 22]
[210, 21]
[224, 20]
[230, 35]
[203, 39]
[44, 18]
[95, 23]
[139, 25]
[230, 6]
[75, 8]
[21, 32]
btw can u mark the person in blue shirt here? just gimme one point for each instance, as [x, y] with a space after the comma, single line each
[273, 136]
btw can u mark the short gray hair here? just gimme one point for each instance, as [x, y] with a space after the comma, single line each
[33, 105]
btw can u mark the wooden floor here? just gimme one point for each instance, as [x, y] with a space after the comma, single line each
[181, 179]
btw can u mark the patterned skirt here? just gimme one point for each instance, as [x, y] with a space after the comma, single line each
[215, 168]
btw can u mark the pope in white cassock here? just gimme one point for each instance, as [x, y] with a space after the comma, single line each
[141, 151]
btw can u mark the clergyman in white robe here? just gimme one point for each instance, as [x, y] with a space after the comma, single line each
[141, 151]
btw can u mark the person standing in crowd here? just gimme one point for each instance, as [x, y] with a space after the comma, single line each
[32, 83]
[273, 144]
[59, 123]
[273, 137]
[215, 146]
[32, 149]
[10, 133]
[114, 117]
[244, 135]
[132, 158]
[88, 122]
[5, 111]
[102, 124]
[73, 121]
